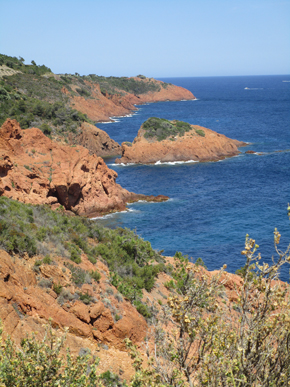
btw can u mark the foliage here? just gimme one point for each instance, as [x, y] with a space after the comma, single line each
[110, 379]
[210, 344]
[57, 288]
[86, 298]
[133, 264]
[200, 132]
[95, 275]
[83, 92]
[162, 128]
[117, 85]
[40, 363]
[56, 117]
[17, 64]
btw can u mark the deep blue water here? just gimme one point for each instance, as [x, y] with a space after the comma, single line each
[214, 205]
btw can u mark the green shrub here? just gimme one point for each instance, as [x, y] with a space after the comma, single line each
[46, 129]
[40, 363]
[200, 132]
[143, 309]
[162, 128]
[95, 275]
[86, 298]
[57, 288]
[83, 92]
[78, 274]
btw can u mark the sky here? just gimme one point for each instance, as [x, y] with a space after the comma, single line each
[157, 38]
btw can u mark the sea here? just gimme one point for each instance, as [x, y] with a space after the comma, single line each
[213, 205]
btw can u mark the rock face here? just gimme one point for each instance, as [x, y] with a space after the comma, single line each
[34, 169]
[197, 144]
[97, 141]
[101, 106]
[27, 302]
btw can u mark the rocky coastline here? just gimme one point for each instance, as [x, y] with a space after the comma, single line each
[36, 170]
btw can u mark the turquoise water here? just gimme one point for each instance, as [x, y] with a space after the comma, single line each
[214, 205]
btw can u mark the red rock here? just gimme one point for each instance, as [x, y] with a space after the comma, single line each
[212, 147]
[96, 310]
[81, 310]
[104, 321]
[97, 141]
[100, 107]
[34, 169]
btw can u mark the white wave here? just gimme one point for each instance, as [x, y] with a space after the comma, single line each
[175, 162]
[254, 88]
[121, 165]
[285, 81]
[115, 213]
[193, 99]
[109, 215]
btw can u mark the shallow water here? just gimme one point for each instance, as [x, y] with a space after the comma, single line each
[214, 205]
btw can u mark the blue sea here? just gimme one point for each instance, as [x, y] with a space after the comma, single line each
[214, 205]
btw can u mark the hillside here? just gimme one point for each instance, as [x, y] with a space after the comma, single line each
[105, 286]
[60, 104]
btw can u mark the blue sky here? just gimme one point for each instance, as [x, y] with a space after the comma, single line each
[159, 38]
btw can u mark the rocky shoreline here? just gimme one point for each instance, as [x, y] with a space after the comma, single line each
[36, 170]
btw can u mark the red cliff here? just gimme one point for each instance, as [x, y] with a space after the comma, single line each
[34, 169]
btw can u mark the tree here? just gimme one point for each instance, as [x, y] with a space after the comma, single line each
[33, 63]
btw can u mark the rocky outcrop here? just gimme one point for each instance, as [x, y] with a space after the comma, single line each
[197, 144]
[28, 302]
[34, 169]
[97, 141]
[101, 106]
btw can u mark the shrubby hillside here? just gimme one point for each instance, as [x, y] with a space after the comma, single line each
[201, 328]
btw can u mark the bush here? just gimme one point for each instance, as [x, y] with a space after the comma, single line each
[57, 288]
[39, 363]
[212, 345]
[200, 132]
[86, 298]
[162, 128]
[95, 275]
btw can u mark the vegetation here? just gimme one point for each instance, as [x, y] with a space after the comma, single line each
[18, 65]
[200, 132]
[213, 344]
[162, 128]
[54, 117]
[133, 264]
[40, 363]
[117, 85]
[200, 337]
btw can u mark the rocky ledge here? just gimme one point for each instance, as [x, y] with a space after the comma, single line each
[34, 169]
[168, 141]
